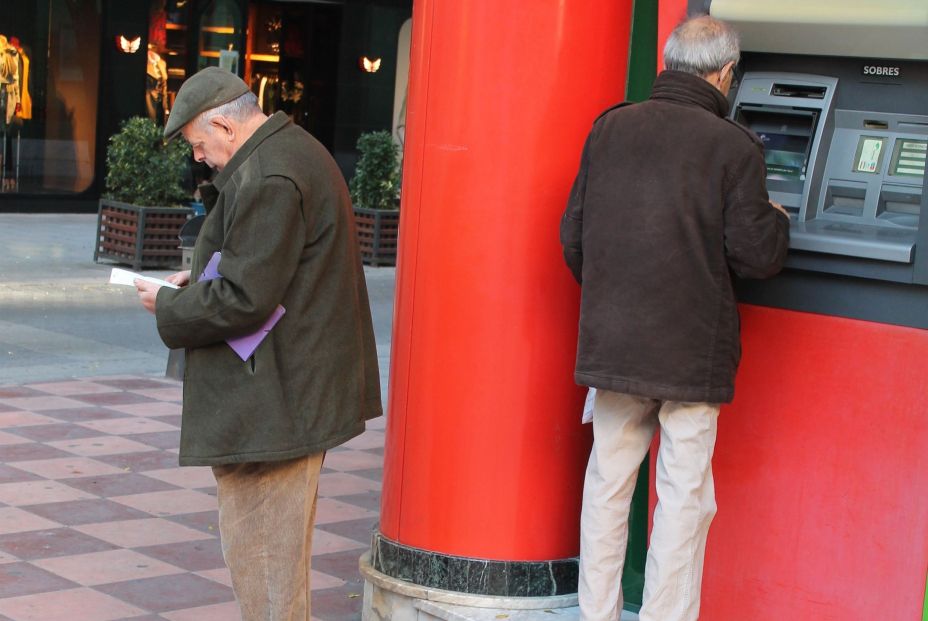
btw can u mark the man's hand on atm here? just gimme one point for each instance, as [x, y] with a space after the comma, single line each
[779, 207]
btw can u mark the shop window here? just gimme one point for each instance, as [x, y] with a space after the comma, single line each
[220, 36]
[262, 58]
[49, 80]
[291, 62]
[167, 56]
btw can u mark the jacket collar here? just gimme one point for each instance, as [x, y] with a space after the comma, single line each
[691, 90]
[272, 125]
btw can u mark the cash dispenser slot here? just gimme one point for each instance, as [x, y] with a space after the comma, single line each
[899, 205]
[845, 198]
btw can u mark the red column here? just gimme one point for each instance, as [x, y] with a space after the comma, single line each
[485, 451]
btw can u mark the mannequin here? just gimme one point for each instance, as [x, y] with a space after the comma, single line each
[156, 88]
[10, 111]
[9, 80]
[25, 99]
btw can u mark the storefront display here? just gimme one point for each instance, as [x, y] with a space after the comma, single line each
[292, 62]
[156, 87]
[12, 74]
[75, 69]
[49, 76]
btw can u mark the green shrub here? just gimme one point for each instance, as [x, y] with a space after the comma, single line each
[376, 181]
[142, 169]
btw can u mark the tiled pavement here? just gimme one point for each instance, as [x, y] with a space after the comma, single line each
[98, 523]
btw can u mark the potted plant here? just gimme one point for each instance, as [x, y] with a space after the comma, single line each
[375, 190]
[145, 204]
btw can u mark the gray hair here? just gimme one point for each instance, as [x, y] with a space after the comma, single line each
[239, 109]
[700, 46]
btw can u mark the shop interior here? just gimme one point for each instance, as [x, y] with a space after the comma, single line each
[287, 52]
[49, 77]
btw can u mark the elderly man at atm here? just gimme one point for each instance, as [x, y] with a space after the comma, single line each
[279, 217]
[669, 202]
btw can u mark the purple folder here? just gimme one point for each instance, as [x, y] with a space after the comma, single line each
[246, 345]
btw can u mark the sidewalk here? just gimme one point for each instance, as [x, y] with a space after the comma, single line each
[59, 318]
[97, 521]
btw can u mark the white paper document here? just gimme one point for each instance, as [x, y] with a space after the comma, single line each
[587, 416]
[125, 277]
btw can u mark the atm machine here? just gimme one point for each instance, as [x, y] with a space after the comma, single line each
[841, 106]
[853, 179]
[821, 465]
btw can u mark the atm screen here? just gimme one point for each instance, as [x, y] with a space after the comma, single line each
[785, 155]
[787, 136]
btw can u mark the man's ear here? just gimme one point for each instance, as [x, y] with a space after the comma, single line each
[729, 68]
[225, 126]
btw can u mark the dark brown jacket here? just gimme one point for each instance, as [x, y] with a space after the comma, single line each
[280, 213]
[669, 201]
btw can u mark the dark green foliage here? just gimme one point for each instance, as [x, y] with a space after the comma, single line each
[376, 181]
[142, 169]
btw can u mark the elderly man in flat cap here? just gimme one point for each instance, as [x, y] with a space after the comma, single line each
[279, 216]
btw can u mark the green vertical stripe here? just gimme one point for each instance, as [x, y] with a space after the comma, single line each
[642, 65]
[642, 56]
[925, 611]
[637, 552]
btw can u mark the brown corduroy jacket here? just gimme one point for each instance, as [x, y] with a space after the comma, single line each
[670, 200]
[279, 213]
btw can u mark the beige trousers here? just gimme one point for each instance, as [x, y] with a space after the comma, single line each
[623, 427]
[266, 515]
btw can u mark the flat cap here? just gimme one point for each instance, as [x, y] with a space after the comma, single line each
[205, 90]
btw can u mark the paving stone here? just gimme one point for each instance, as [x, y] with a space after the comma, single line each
[24, 579]
[167, 593]
[39, 544]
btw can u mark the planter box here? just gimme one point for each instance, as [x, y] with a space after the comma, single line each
[377, 234]
[140, 236]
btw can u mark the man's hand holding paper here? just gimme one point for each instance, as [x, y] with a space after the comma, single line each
[148, 288]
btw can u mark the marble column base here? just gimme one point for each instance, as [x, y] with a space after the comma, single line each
[390, 599]
[474, 576]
